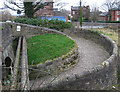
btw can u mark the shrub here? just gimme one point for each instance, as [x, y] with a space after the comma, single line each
[2, 28]
[53, 24]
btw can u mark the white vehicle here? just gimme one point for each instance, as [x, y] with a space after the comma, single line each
[69, 20]
[8, 21]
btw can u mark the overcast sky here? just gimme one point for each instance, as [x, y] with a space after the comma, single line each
[1, 2]
[91, 3]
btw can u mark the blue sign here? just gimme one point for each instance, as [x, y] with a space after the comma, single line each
[63, 18]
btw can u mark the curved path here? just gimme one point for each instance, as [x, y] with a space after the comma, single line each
[91, 54]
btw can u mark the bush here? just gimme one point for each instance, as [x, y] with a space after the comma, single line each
[53, 24]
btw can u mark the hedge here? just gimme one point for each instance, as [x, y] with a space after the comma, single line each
[53, 24]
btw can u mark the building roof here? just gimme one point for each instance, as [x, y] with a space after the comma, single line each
[43, 1]
[103, 14]
[116, 8]
[47, 1]
[78, 7]
[59, 13]
[75, 7]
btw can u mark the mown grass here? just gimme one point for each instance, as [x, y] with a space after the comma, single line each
[47, 46]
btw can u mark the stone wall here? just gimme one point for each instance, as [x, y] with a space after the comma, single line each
[29, 30]
[0, 58]
[110, 25]
[15, 75]
[97, 24]
[98, 38]
[101, 77]
[24, 64]
[7, 50]
[54, 66]
[6, 47]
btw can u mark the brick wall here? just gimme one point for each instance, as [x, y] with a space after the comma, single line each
[115, 15]
[46, 11]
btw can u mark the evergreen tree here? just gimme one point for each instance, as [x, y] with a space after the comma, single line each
[28, 9]
[81, 19]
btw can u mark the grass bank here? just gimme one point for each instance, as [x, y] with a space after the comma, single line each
[47, 47]
[113, 34]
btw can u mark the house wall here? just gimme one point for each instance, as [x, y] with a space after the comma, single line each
[85, 12]
[74, 12]
[106, 18]
[115, 15]
[118, 15]
[102, 18]
[46, 11]
[66, 18]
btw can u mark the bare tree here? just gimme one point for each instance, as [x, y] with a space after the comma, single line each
[29, 8]
[109, 4]
[13, 5]
[5, 15]
[95, 14]
[60, 4]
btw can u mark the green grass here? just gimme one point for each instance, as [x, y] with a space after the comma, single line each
[113, 34]
[47, 46]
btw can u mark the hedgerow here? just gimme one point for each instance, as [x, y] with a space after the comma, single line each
[53, 24]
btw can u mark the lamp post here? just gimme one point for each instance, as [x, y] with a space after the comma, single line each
[81, 14]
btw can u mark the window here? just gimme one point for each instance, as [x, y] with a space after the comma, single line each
[8, 62]
[117, 19]
[117, 12]
[73, 12]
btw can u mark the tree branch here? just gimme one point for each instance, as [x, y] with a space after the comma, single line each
[12, 8]
[41, 6]
[17, 5]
